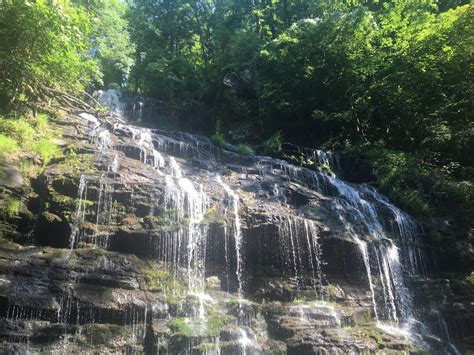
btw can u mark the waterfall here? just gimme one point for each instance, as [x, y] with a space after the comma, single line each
[298, 239]
[183, 182]
[236, 232]
[359, 209]
[104, 211]
[112, 99]
[182, 196]
[80, 213]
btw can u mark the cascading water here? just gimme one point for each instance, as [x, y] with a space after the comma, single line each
[199, 231]
[359, 209]
[236, 232]
[299, 248]
[79, 214]
[182, 196]
[112, 100]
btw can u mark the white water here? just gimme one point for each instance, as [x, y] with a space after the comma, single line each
[182, 196]
[357, 207]
[112, 99]
[317, 315]
[237, 232]
[299, 247]
[80, 213]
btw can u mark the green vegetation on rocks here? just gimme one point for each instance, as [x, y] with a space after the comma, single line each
[12, 207]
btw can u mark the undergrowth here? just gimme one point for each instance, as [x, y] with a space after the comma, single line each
[20, 136]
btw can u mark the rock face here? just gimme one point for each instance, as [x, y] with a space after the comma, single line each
[146, 241]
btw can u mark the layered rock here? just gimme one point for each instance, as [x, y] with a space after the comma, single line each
[140, 240]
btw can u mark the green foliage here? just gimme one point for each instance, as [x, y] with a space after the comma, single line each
[7, 145]
[42, 123]
[219, 140]
[415, 186]
[12, 207]
[113, 47]
[19, 130]
[246, 150]
[273, 144]
[28, 135]
[42, 43]
[47, 150]
[394, 76]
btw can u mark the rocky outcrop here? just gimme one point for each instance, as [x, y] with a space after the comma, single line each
[141, 240]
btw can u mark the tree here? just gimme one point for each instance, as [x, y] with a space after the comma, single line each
[111, 41]
[43, 43]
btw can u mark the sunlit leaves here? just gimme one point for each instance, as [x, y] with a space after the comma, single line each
[43, 43]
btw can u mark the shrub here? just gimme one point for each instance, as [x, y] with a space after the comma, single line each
[12, 207]
[42, 123]
[19, 130]
[114, 86]
[7, 145]
[219, 139]
[273, 144]
[47, 150]
[246, 150]
[415, 186]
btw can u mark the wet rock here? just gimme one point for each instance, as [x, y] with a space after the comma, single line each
[126, 286]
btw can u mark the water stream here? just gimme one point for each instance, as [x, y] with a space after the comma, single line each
[387, 239]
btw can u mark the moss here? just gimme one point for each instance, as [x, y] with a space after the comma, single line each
[235, 302]
[246, 150]
[105, 295]
[182, 326]
[207, 348]
[213, 216]
[210, 326]
[470, 279]
[6, 244]
[47, 150]
[383, 340]
[164, 222]
[332, 290]
[375, 334]
[326, 168]
[97, 334]
[363, 317]
[75, 164]
[140, 264]
[29, 169]
[168, 220]
[86, 203]
[63, 200]
[163, 280]
[12, 207]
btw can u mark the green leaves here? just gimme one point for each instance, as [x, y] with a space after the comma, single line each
[113, 48]
[42, 43]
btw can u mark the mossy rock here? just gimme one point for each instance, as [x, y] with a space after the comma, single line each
[210, 326]
[100, 334]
